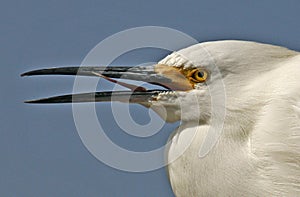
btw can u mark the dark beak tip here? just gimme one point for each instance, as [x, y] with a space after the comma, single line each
[37, 102]
[25, 74]
[29, 101]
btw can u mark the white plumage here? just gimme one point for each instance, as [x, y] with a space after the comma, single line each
[258, 152]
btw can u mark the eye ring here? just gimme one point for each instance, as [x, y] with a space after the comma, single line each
[199, 75]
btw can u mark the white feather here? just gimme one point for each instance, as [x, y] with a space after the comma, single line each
[258, 152]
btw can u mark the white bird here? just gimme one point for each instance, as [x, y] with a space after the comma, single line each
[257, 152]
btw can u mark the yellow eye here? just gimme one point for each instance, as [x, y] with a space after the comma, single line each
[199, 75]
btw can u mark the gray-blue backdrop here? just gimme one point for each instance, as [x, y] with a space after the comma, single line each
[40, 151]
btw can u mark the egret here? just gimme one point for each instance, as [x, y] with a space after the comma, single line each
[258, 150]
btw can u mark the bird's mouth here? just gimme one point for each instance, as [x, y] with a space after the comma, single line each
[169, 78]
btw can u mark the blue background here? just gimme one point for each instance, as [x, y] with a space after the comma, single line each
[40, 151]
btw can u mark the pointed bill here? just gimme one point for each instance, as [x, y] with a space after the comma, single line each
[167, 77]
[121, 96]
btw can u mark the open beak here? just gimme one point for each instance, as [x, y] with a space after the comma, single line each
[169, 78]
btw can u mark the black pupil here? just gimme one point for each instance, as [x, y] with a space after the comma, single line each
[200, 74]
